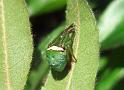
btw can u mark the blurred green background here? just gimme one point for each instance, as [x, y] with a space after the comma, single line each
[47, 15]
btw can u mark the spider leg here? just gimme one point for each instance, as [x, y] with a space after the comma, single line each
[72, 54]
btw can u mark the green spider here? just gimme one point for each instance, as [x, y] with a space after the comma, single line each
[59, 52]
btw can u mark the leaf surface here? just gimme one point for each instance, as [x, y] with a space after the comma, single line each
[15, 44]
[82, 74]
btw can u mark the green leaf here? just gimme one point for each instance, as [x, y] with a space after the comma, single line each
[103, 63]
[110, 78]
[44, 6]
[15, 44]
[112, 71]
[111, 25]
[82, 74]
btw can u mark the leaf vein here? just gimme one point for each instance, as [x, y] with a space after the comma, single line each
[6, 68]
[77, 45]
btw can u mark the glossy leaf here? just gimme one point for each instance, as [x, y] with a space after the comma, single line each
[111, 25]
[44, 6]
